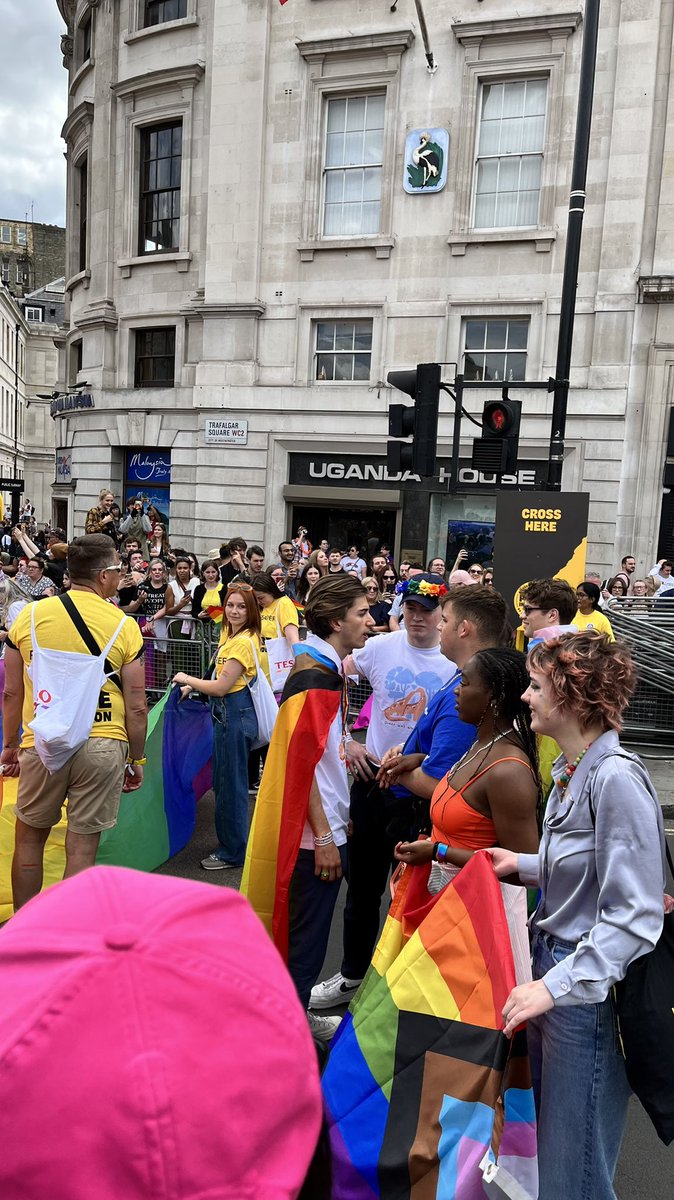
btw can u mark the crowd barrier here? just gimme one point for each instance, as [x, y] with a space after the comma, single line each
[646, 625]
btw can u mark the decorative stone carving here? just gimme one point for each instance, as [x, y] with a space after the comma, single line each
[67, 50]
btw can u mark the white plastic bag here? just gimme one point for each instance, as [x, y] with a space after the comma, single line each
[266, 708]
[281, 659]
[66, 687]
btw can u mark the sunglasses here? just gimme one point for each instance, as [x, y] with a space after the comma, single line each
[239, 587]
[475, 571]
[529, 608]
[371, 589]
[389, 578]
[114, 567]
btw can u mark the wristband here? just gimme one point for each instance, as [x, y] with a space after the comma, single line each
[136, 762]
[326, 840]
[441, 852]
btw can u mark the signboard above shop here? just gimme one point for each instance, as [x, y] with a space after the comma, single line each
[70, 403]
[221, 431]
[362, 470]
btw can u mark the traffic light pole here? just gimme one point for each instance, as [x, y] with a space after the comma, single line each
[573, 239]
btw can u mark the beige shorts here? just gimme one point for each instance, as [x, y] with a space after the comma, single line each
[92, 781]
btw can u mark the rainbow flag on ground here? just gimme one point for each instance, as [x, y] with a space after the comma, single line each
[425, 1096]
[155, 822]
[311, 700]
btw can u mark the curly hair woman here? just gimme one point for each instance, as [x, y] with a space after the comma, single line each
[600, 868]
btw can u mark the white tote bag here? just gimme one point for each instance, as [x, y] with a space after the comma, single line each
[266, 708]
[66, 687]
[281, 659]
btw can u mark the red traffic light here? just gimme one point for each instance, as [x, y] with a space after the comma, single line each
[498, 417]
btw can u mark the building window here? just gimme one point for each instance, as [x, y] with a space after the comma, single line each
[495, 348]
[22, 274]
[83, 202]
[84, 41]
[343, 351]
[33, 314]
[354, 155]
[6, 234]
[155, 357]
[158, 12]
[510, 153]
[5, 271]
[161, 157]
[22, 236]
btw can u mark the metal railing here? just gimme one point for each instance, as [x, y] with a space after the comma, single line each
[646, 625]
[164, 656]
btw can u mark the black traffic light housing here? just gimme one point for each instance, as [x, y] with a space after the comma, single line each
[420, 420]
[496, 450]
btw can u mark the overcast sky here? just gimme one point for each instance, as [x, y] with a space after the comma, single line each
[33, 107]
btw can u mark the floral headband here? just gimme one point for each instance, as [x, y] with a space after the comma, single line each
[420, 587]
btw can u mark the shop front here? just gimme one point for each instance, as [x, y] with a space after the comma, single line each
[353, 498]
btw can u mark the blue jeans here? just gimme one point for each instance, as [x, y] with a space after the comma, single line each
[234, 731]
[312, 903]
[580, 1088]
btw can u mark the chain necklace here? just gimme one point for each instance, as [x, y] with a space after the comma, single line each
[465, 759]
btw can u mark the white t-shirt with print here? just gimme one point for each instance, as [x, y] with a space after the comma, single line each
[404, 680]
[330, 775]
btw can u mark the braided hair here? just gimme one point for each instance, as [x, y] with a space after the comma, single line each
[504, 671]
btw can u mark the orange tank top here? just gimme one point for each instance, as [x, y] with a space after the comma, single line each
[456, 822]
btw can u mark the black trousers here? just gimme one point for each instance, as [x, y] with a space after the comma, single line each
[370, 860]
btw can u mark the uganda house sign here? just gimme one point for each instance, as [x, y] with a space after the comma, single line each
[426, 154]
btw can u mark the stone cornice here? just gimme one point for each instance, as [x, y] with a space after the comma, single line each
[206, 311]
[158, 81]
[78, 120]
[656, 289]
[397, 40]
[555, 24]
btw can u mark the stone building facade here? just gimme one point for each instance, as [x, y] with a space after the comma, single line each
[31, 254]
[13, 339]
[269, 207]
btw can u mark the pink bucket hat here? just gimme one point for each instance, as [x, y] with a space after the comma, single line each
[152, 1046]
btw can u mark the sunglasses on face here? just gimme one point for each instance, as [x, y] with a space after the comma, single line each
[529, 608]
[475, 571]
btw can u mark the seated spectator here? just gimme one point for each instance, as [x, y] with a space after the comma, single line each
[379, 609]
[353, 564]
[208, 601]
[589, 615]
[662, 571]
[115, 981]
[38, 584]
[617, 586]
[318, 558]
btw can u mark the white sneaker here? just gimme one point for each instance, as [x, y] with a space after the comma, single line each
[331, 992]
[323, 1028]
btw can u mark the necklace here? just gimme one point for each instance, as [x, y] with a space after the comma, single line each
[468, 757]
[566, 775]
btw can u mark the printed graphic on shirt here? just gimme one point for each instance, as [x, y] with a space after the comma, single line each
[409, 694]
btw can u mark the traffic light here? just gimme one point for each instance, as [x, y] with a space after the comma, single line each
[496, 450]
[418, 421]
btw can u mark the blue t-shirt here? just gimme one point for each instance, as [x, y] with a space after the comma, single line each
[439, 734]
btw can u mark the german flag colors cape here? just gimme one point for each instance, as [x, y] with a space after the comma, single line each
[426, 1098]
[311, 700]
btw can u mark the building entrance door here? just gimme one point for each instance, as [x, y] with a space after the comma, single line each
[344, 527]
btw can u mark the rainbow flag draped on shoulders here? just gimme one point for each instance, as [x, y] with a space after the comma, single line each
[312, 698]
[426, 1098]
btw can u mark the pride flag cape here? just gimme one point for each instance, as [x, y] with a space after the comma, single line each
[426, 1098]
[311, 700]
[155, 822]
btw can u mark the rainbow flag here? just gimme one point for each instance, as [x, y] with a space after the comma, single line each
[155, 822]
[311, 700]
[426, 1098]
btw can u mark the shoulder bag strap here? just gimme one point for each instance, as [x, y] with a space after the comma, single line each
[88, 638]
[622, 754]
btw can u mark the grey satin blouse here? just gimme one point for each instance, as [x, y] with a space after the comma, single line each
[601, 881]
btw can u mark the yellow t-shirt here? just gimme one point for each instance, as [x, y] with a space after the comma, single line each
[282, 609]
[55, 631]
[595, 620]
[240, 647]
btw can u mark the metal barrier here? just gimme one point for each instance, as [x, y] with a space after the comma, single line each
[164, 656]
[646, 625]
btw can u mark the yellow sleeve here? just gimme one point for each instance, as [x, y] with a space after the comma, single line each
[287, 613]
[131, 641]
[21, 628]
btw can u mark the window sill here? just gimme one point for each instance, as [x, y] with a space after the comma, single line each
[543, 238]
[181, 258]
[79, 75]
[382, 246]
[83, 277]
[149, 30]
